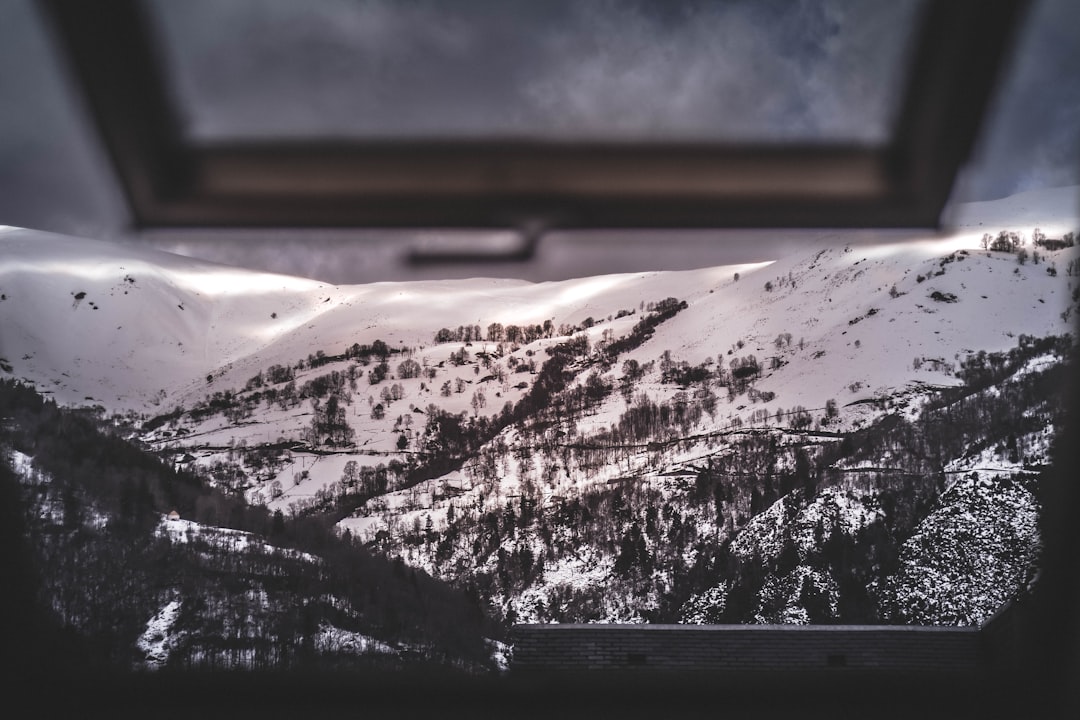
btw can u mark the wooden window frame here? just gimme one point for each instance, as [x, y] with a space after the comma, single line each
[171, 182]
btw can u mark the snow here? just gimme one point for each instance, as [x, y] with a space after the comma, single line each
[158, 640]
[182, 531]
[331, 639]
[501, 653]
[996, 460]
[23, 465]
[863, 322]
[140, 351]
[968, 556]
[139, 342]
[49, 505]
[783, 592]
[1054, 210]
[705, 608]
[833, 510]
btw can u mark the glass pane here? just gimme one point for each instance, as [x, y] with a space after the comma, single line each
[558, 69]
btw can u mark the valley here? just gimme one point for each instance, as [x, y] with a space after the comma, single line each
[850, 434]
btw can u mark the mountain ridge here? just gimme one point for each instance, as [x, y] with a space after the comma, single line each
[643, 433]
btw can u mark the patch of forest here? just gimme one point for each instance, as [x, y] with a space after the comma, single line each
[663, 543]
[99, 570]
[448, 439]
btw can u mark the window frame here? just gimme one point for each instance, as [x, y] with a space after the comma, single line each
[169, 181]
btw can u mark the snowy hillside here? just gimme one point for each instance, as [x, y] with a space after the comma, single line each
[704, 442]
[126, 325]
[126, 586]
[100, 323]
[122, 324]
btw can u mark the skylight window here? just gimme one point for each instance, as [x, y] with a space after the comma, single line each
[560, 70]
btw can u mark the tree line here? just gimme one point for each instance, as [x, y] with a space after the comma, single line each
[102, 570]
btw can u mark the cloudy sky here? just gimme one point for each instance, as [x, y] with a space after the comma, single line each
[734, 70]
[566, 68]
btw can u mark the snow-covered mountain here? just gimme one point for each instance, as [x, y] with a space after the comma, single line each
[543, 442]
[122, 323]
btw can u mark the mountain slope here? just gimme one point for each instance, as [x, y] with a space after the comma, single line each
[116, 324]
[754, 441]
[122, 585]
[121, 323]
